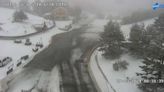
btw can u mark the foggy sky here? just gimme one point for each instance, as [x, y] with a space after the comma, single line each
[115, 7]
[112, 7]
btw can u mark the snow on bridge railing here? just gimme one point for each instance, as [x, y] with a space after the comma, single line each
[109, 85]
[96, 72]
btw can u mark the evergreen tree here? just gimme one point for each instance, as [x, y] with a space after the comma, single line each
[153, 71]
[159, 25]
[19, 16]
[151, 31]
[147, 40]
[153, 68]
[112, 38]
[136, 38]
[136, 33]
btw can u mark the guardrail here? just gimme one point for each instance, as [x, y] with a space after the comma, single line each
[99, 67]
[89, 68]
[97, 62]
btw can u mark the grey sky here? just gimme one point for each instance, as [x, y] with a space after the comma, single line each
[113, 7]
[116, 7]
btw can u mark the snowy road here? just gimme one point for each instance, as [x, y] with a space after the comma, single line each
[35, 70]
[58, 51]
[40, 70]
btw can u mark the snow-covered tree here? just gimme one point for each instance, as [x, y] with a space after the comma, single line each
[153, 71]
[136, 33]
[19, 16]
[136, 38]
[159, 25]
[153, 68]
[111, 39]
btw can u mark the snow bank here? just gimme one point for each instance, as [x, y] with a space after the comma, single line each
[54, 84]
[28, 80]
[102, 84]
[37, 79]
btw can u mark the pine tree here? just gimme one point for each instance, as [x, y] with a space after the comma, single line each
[159, 23]
[19, 16]
[112, 38]
[147, 41]
[136, 33]
[151, 31]
[136, 38]
[153, 69]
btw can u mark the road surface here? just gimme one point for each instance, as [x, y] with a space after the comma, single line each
[59, 53]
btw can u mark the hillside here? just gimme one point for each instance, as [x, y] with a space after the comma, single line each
[10, 28]
[110, 80]
[126, 28]
[100, 23]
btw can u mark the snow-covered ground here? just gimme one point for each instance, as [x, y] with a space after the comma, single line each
[16, 51]
[47, 81]
[97, 26]
[126, 28]
[109, 80]
[10, 28]
[16, 29]
[102, 84]
[120, 81]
